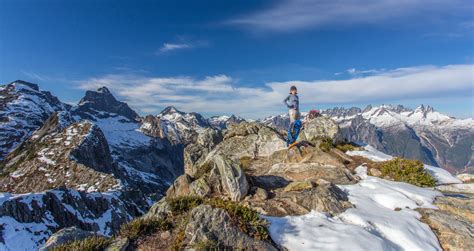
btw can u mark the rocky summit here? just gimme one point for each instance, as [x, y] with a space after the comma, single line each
[99, 176]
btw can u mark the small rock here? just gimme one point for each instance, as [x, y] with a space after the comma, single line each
[159, 209]
[466, 177]
[322, 182]
[200, 187]
[261, 194]
[299, 185]
[165, 235]
[375, 172]
[180, 187]
[118, 245]
[66, 235]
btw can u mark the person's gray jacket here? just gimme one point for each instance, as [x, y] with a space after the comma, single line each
[292, 102]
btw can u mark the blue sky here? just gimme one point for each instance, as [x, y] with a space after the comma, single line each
[222, 57]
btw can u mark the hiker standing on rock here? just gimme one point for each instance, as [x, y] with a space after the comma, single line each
[293, 104]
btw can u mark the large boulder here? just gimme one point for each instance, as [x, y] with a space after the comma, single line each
[232, 178]
[66, 235]
[453, 222]
[299, 198]
[249, 140]
[196, 152]
[225, 178]
[320, 127]
[312, 172]
[211, 226]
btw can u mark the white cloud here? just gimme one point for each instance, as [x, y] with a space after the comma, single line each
[183, 44]
[172, 47]
[356, 72]
[220, 94]
[296, 14]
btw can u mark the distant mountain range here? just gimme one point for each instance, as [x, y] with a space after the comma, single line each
[423, 133]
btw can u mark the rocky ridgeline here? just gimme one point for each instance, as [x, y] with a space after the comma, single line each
[231, 176]
[249, 166]
[76, 157]
[23, 109]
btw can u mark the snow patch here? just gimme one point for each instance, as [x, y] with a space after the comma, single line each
[383, 219]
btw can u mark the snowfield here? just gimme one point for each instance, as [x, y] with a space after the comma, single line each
[383, 217]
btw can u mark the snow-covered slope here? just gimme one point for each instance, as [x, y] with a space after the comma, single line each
[147, 161]
[180, 127]
[388, 116]
[384, 216]
[23, 109]
[222, 122]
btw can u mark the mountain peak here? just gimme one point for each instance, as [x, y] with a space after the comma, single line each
[171, 110]
[424, 109]
[102, 100]
[24, 83]
[103, 89]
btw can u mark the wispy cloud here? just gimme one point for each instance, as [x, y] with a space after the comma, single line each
[182, 44]
[357, 72]
[172, 47]
[221, 94]
[296, 14]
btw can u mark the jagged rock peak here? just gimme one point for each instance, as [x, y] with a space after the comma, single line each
[103, 89]
[102, 100]
[425, 109]
[367, 108]
[28, 84]
[171, 110]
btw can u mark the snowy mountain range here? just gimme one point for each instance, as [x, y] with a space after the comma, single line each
[422, 133]
[98, 164]
[98, 150]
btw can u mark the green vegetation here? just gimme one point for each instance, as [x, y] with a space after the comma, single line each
[246, 219]
[206, 245]
[179, 205]
[345, 147]
[325, 144]
[95, 243]
[409, 171]
[143, 226]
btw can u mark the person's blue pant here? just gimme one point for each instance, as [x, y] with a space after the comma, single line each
[293, 132]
